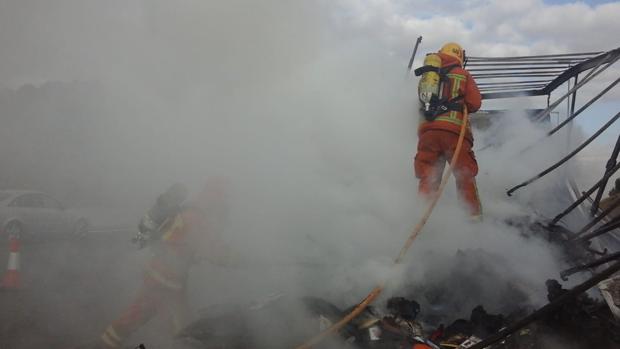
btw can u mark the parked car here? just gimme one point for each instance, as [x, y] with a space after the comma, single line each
[37, 215]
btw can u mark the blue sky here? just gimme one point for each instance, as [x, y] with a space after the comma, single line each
[503, 28]
[596, 116]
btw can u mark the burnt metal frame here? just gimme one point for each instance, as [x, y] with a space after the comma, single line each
[567, 157]
[585, 195]
[507, 89]
[613, 160]
[558, 68]
[549, 307]
[509, 77]
[590, 265]
[596, 62]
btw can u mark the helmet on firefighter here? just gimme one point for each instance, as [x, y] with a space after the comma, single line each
[175, 195]
[455, 50]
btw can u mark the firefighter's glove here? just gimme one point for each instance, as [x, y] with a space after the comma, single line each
[141, 239]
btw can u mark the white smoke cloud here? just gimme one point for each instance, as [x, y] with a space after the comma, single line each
[304, 106]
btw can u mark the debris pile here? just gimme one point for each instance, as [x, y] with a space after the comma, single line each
[427, 319]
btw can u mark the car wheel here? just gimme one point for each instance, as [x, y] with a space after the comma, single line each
[81, 228]
[14, 228]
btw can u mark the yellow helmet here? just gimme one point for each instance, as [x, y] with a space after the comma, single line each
[453, 49]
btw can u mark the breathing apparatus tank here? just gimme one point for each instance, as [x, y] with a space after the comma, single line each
[429, 90]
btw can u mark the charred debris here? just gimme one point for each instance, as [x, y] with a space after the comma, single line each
[423, 318]
[571, 319]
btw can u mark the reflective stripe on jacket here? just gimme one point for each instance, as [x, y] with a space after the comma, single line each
[174, 254]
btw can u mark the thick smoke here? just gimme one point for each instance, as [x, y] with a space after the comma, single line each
[315, 131]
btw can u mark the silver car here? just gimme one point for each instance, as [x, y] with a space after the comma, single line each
[35, 214]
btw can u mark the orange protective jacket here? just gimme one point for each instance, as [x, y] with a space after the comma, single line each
[461, 83]
[176, 251]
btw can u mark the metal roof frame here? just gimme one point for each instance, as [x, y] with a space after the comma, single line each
[501, 77]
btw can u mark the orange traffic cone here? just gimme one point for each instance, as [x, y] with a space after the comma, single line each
[11, 279]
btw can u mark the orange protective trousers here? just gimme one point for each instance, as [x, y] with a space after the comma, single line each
[152, 299]
[435, 148]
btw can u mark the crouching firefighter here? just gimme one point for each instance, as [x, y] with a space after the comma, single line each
[178, 235]
[445, 88]
[167, 206]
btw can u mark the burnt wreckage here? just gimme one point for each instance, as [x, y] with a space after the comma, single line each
[587, 229]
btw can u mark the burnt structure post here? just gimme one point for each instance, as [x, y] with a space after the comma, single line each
[613, 160]
[549, 307]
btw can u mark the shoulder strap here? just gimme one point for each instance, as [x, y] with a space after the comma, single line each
[426, 69]
[440, 71]
[447, 69]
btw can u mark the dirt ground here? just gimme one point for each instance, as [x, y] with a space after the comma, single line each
[70, 290]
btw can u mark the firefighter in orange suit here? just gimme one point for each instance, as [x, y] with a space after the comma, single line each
[437, 138]
[186, 237]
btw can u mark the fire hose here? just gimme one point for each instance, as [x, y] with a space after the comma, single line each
[414, 234]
